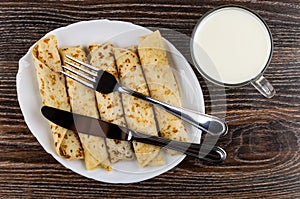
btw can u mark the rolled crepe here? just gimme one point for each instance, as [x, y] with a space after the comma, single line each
[83, 102]
[53, 93]
[138, 113]
[110, 105]
[162, 84]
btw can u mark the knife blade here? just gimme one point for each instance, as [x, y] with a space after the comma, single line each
[100, 128]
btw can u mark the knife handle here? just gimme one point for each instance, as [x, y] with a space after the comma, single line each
[209, 153]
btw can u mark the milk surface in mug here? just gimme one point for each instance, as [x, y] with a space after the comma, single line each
[232, 45]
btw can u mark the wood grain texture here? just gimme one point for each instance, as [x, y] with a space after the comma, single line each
[263, 143]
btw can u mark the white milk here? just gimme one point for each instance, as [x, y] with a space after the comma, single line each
[231, 45]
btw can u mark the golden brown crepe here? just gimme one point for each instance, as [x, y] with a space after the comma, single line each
[138, 113]
[110, 105]
[162, 84]
[83, 102]
[53, 93]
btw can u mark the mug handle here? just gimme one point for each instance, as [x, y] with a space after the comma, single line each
[264, 87]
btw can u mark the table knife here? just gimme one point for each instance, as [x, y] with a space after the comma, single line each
[98, 127]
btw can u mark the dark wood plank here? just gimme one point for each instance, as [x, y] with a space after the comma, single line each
[263, 143]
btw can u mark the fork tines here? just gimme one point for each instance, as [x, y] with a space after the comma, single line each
[88, 80]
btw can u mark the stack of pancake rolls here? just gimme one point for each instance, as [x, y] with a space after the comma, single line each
[144, 68]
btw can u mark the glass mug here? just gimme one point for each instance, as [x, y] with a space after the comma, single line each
[232, 46]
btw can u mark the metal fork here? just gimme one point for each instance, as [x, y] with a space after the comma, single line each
[105, 82]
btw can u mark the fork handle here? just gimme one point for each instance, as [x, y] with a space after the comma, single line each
[205, 152]
[207, 123]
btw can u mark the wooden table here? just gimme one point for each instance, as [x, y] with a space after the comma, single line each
[263, 143]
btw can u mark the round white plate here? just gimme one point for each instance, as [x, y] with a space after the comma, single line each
[122, 34]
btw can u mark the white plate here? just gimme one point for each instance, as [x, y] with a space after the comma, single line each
[100, 31]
